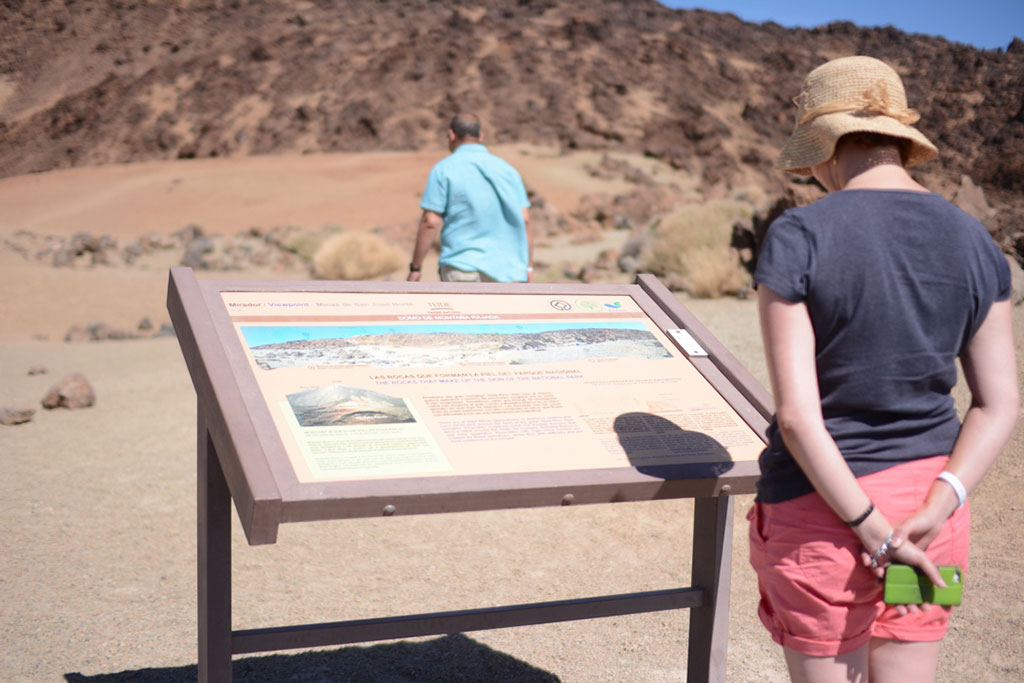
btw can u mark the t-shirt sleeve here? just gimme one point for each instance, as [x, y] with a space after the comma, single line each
[784, 261]
[435, 196]
[1004, 279]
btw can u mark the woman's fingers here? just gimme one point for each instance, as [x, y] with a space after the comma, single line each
[906, 552]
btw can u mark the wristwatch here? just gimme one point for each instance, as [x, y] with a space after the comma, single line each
[414, 269]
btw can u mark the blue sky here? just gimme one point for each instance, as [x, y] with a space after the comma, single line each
[982, 23]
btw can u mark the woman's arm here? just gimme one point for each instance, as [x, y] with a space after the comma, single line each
[789, 350]
[990, 367]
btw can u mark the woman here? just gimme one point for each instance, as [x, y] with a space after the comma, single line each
[866, 299]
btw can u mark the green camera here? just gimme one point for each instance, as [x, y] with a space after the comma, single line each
[906, 585]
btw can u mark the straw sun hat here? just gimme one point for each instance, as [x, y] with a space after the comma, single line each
[850, 95]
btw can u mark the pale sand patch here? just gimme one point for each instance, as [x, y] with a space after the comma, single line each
[227, 196]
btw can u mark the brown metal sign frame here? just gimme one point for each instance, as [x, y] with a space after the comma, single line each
[241, 457]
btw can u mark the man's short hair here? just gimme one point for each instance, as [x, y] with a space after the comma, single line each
[465, 125]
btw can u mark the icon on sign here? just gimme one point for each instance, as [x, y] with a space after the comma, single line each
[587, 304]
[614, 305]
[560, 305]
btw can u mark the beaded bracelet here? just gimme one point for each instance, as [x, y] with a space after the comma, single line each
[860, 520]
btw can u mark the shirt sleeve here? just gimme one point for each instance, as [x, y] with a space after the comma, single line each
[785, 259]
[435, 196]
[1003, 278]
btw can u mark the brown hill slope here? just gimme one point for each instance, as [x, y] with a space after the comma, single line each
[80, 85]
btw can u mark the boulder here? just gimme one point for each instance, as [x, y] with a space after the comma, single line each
[971, 198]
[195, 253]
[1017, 280]
[72, 392]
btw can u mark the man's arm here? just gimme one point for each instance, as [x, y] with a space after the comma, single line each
[529, 244]
[430, 226]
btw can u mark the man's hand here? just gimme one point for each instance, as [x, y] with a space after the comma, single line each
[414, 276]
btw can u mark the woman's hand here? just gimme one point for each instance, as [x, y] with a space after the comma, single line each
[904, 551]
[924, 525]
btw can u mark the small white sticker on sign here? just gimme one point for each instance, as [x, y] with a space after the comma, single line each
[687, 342]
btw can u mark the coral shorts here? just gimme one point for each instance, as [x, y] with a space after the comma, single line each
[816, 596]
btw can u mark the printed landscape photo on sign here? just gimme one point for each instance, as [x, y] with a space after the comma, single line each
[440, 345]
[411, 385]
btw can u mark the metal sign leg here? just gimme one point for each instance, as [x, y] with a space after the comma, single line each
[712, 555]
[214, 564]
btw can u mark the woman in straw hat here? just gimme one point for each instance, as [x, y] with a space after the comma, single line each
[866, 298]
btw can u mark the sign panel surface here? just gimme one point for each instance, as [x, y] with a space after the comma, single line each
[376, 385]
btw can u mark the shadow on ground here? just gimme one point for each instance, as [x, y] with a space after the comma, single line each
[451, 659]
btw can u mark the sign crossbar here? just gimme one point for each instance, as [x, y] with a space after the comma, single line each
[459, 621]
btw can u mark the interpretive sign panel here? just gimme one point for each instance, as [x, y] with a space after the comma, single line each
[332, 400]
[407, 384]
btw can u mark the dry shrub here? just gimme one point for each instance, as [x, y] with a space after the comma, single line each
[305, 243]
[355, 256]
[691, 249]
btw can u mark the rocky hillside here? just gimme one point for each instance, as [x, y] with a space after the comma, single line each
[82, 84]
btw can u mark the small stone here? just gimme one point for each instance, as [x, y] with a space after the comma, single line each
[98, 330]
[12, 416]
[82, 242]
[62, 258]
[37, 369]
[76, 333]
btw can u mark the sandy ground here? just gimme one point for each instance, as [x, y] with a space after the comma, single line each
[97, 569]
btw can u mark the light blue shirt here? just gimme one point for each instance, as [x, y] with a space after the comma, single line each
[481, 198]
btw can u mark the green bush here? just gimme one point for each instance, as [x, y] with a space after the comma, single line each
[356, 256]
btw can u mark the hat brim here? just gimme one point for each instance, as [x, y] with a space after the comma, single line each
[814, 143]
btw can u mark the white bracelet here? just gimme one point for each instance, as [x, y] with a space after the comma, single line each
[958, 486]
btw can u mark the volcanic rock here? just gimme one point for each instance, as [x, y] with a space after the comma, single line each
[13, 416]
[971, 199]
[72, 392]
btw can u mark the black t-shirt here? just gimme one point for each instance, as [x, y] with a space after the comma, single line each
[896, 283]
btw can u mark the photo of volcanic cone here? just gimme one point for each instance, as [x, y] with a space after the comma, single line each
[338, 405]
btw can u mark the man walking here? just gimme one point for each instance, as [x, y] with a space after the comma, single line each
[478, 203]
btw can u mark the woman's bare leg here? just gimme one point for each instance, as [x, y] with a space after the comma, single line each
[851, 667]
[894, 661]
